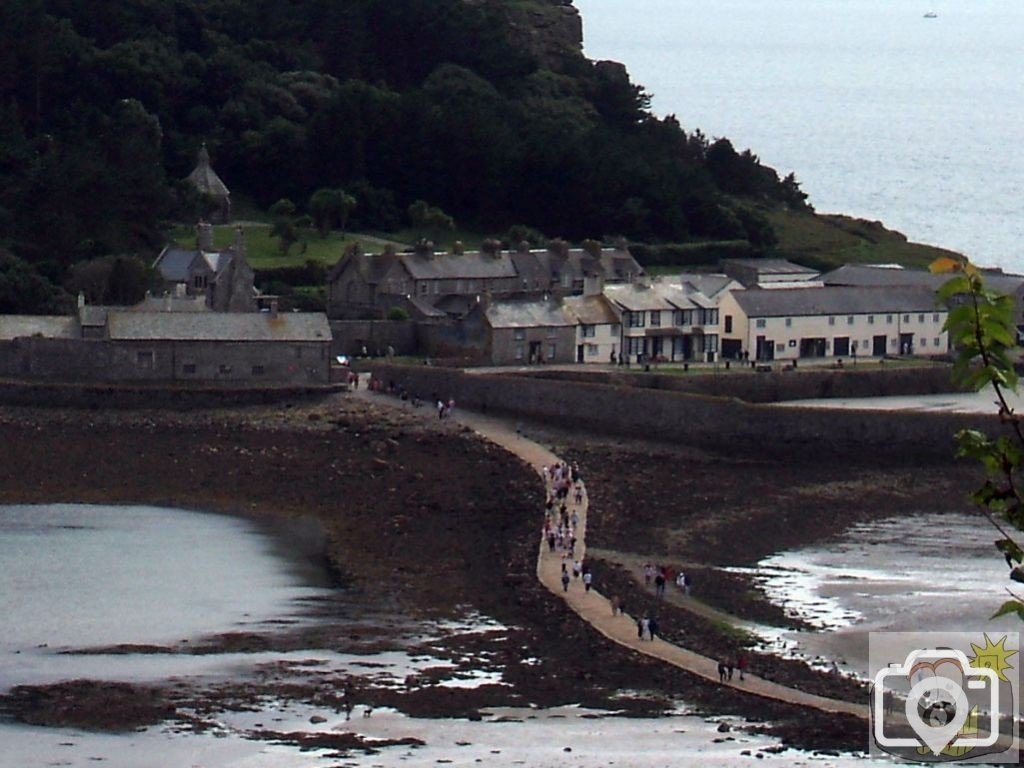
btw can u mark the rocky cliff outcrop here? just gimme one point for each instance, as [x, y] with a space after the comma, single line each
[551, 30]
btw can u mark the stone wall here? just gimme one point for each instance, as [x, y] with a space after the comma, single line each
[779, 385]
[97, 396]
[716, 423]
[350, 336]
[74, 360]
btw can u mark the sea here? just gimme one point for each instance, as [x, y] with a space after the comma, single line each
[880, 112]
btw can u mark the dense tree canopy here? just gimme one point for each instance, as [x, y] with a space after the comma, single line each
[103, 105]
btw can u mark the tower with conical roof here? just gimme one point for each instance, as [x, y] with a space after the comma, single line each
[207, 182]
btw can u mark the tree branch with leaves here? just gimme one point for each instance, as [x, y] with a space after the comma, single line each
[982, 329]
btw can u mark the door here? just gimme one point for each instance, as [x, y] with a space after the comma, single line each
[841, 346]
[579, 353]
[878, 345]
[906, 343]
[765, 349]
[535, 352]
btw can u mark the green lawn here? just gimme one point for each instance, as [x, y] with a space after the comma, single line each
[264, 252]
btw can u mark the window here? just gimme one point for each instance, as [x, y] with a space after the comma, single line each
[655, 318]
[906, 318]
[145, 360]
[636, 319]
[589, 331]
[711, 342]
[708, 316]
[591, 350]
[257, 370]
[552, 333]
[298, 353]
[871, 319]
[728, 323]
[519, 334]
[423, 288]
[687, 317]
[920, 318]
[922, 342]
[188, 369]
[935, 341]
[831, 320]
[789, 322]
[224, 370]
[849, 319]
[780, 347]
[519, 352]
[551, 351]
[615, 330]
[760, 322]
[888, 319]
[855, 345]
[437, 287]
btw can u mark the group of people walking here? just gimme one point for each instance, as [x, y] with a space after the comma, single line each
[660, 575]
[562, 516]
[565, 488]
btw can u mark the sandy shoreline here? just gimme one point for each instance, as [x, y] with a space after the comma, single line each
[429, 521]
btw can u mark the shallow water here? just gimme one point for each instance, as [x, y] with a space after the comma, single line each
[962, 402]
[923, 572]
[75, 576]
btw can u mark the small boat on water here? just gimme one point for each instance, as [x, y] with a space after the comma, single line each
[931, 15]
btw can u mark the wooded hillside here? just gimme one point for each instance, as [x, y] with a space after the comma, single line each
[104, 103]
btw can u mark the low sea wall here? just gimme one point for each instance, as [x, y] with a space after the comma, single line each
[706, 421]
[97, 396]
[781, 385]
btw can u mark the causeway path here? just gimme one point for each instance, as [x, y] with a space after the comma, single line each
[593, 606]
[596, 609]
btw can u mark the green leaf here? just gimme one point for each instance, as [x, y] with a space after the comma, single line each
[1010, 606]
[1009, 548]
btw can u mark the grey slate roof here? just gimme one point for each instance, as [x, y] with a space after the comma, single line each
[459, 266]
[708, 284]
[171, 304]
[205, 178]
[217, 326]
[864, 275]
[92, 315]
[591, 310]
[835, 300]
[173, 264]
[636, 298]
[47, 326]
[527, 314]
[772, 266]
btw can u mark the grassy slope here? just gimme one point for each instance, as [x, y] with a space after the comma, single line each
[263, 251]
[829, 241]
[820, 241]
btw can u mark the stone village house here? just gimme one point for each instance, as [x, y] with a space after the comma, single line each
[107, 344]
[222, 278]
[431, 285]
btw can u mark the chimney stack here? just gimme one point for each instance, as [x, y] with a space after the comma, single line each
[204, 236]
